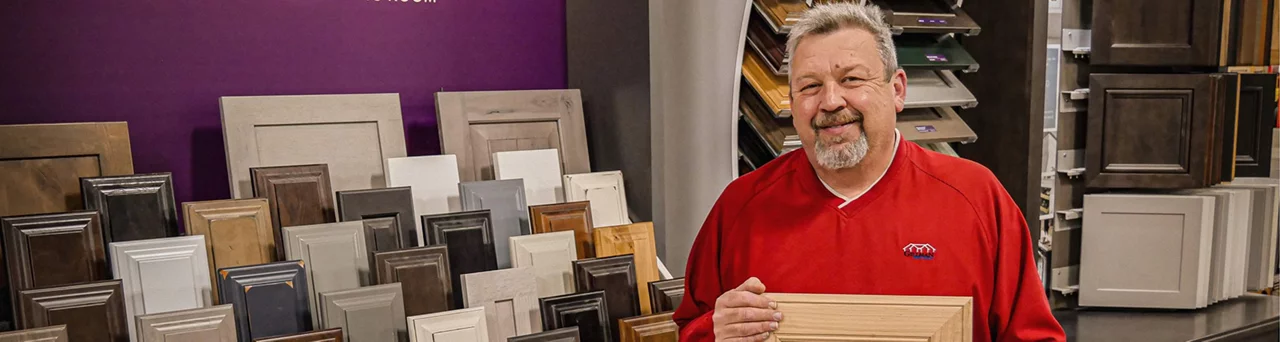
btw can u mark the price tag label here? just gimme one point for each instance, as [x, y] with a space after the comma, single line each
[936, 57]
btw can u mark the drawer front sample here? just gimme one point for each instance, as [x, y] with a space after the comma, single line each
[506, 204]
[666, 295]
[606, 193]
[656, 327]
[47, 250]
[811, 317]
[57, 333]
[161, 275]
[930, 52]
[469, 237]
[474, 125]
[334, 254]
[569, 334]
[616, 276]
[1257, 120]
[434, 183]
[268, 300]
[133, 207]
[1169, 237]
[298, 195]
[41, 165]
[91, 311]
[551, 257]
[637, 240]
[423, 274]
[329, 335]
[585, 310]
[462, 325]
[572, 216]
[236, 232]
[366, 314]
[352, 134]
[538, 169]
[387, 215]
[509, 298]
[1124, 34]
[208, 324]
[937, 88]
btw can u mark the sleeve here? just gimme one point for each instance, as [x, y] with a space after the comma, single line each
[1019, 308]
[702, 282]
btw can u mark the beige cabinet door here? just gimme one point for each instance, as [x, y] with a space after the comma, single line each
[474, 125]
[551, 257]
[605, 191]
[208, 324]
[462, 325]
[509, 298]
[366, 314]
[57, 333]
[334, 255]
[813, 317]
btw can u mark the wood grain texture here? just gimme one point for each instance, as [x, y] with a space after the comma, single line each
[774, 89]
[572, 216]
[328, 335]
[509, 298]
[268, 299]
[207, 324]
[434, 183]
[57, 333]
[474, 125]
[771, 47]
[666, 295]
[650, 328]
[937, 88]
[506, 204]
[133, 207]
[45, 250]
[462, 325]
[387, 213]
[635, 239]
[1124, 35]
[616, 276]
[366, 314]
[778, 134]
[469, 237]
[422, 272]
[569, 334]
[91, 311]
[866, 317]
[298, 195]
[41, 165]
[236, 232]
[606, 193]
[335, 256]
[1257, 120]
[551, 256]
[780, 14]
[585, 310]
[161, 275]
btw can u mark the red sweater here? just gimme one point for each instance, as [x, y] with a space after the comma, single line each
[780, 224]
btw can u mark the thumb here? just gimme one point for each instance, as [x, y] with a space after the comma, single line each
[752, 285]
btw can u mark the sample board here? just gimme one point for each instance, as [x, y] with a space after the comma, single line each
[572, 216]
[45, 250]
[636, 240]
[540, 170]
[236, 232]
[268, 299]
[207, 324]
[509, 298]
[586, 310]
[506, 204]
[133, 207]
[387, 215]
[462, 325]
[551, 256]
[809, 317]
[297, 195]
[91, 311]
[433, 180]
[366, 314]
[475, 125]
[335, 256]
[469, 237]
[41, 165]
[423, 274]
[606, 193]
[162, 275]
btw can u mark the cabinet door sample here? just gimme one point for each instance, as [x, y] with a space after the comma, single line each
[572, 216]
[777, 134]
[133, 207]
[91, 311]
[930, 53]
[780, 14]
[927, 16]
[770, 47]
[1169, 237]
[45, 250]
[936, 88]
[423, 274]
[268, 299]
[366, 314]
[1261, 251]
[585, 310]
[656, 327]
[298, 195]
[387, 214]
[433, 180]
[335, 256]
[208, 324]
[666, 295]
[934, 125]
[1257, 120]
[551, 257]
[1220, 261]
[1124, 34]
[236, 232]
[505, 201]
[606, 193]
[637, 240]
[509, 298]
[352, 134]
[474, 125]
[329, 335]
[462, 325]
[774, 89]
[162, 275]
[41, 165]
[616, 276]
[569, 334]
[469, 237]
[57, 333]
[539, 169]
[865, 317]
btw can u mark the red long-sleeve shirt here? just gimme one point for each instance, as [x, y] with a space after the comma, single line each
[932, 225]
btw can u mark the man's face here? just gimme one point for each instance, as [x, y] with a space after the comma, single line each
[842, 104]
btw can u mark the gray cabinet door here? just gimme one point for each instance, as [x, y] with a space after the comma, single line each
[937, 88]
[57, 333]
[334, 254]
[462, 325]
[1261, 259]
[162, 275]
[209, 324]
[509, 298]
[506, 203]
[474, 125]
[366, 314]
[387, 215]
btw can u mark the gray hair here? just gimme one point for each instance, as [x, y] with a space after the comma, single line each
[827, 18]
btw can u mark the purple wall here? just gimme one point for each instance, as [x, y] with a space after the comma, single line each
[161, 65]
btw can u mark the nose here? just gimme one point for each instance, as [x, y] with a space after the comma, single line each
[831, 101]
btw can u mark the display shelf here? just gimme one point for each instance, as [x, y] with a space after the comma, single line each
[937, 88]
[927, 16]
[931, 125]
[940, 53]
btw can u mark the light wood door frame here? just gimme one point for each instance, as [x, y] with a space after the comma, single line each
[446, 326]
[509, 298]
[106, 142]
[162, 275]
[551, 257]
[176, 326]
[56, 333]
[379, 304]
[457, 111]
[635, 239]
[609, 206]
[306, 243]
[544, 219]
[855, 317]
[237, 219]
[658, 327]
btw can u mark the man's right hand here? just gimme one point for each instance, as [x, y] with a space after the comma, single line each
[744, 314]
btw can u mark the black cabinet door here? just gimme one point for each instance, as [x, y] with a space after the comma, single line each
[133, 207]
[47, 250]
[387, 214]
[422, 272]
[616, 276]
[1256, 121]
[268, 299]
[1156, 32]
[666, 295]
[585, 310]
[469, 237]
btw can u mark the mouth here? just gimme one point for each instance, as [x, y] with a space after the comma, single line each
[839, 128]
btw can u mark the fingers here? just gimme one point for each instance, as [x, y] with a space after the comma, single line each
[756, 338]
[744, 299]
[749, 315]
[752, 285]
[753, 331]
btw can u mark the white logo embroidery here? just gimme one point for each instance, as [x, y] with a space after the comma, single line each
[920, 251]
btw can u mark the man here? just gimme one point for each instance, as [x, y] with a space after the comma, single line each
[858, 210]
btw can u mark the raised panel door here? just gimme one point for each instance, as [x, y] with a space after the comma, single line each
[637, 240]
[666, 295]
[41, 165]
[335, 256]
[606, 193]
[462, 325]
[328, 335]
[469, 237]
[387, 213]
[268, 299]
[509, 298]
[474, 125]
[585, 310]
[651, 328]
[539, 169]
[550, 256]
[1257, 120]
[57, 333]
[506, 204]
[569, 334]
[422, 272]
[366, 314]
[133, 207]
[616, 276]
[45, 250]
[572, 216]
[492, 139]
[236, 232]
[91, 311]
[207, 324]
[810, 317]
[297, 195]
[1187, 34]
[434, 183]
[161, 275]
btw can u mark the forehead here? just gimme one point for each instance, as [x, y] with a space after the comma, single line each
[844, 47]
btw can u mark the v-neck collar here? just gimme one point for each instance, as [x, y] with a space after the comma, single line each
[896, 137]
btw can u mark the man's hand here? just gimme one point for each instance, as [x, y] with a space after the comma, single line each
[744, 314]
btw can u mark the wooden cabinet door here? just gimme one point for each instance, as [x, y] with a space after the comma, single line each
[462, 325]
[433, 180]
[46, 250]
[41, 165]
[469, 237]
[539, 169]
[298, 195]
[474, 125]
[57, 333]
[161, 275]
[330, 335]
[1187, 34]
[866, 317]
[585, 310]
[366, 314]
[133, 207]
[572, 216]
[208, 324]
[236, 232]
[569, 334]
[666, 295]
[335, 256]
[422, 272]
[637, 240]
[551, 256]
[651, 328]
[268, 299]
[353, 134]
[509, 298]
[1256, 121]
[616, 276]
[91, 311]
[506, 203]
[387, 215]
[606, 193]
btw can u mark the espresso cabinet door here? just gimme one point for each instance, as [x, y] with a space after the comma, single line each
[509, 298]
[585, 310]
[57, 333]
[422, 272]
[469, 237]
[462, 325]
[474, 125]
[330, 335]
[91, 311]
[298, 195]
[134, 207]
[569, 334]
[236, 232]
[1257, 120]
[506, 203]
[161, 275]
[434, 183]
[1125, 32]
[651, 328]
[572, 216]
[366, 314]
[335, 256]
[268, 299]
[605, 192]
[666, 295]
[41, 165]
[637, 240]
[551, 257]
[616, 276]
[208, 324]
[46, 250]
[387, 215]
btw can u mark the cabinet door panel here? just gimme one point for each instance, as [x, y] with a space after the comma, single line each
[298, 195]
[268, 299]
[134, 207]
[1187, 34]
[462, 325]
[539, 169]
[330, 335]
[474, 125]
[616, 276]
[509, 298]
[1257, 120]
[334, 254]
[1260, 262]
[161, 275]
[506, 203]
[666, 295]
[585, 310]
[434, 183]
[551, 257]
[422, 272]
[236, 232]
[656, 327]
[47, 250]
[605, 192]
[469, 237]
[41, 165]
[209, 324]
[388, 213]
[637, 240]
[572, 216]
[366, 314]
[57, 333]
[91, 311]
[569, 334]
[865, 317]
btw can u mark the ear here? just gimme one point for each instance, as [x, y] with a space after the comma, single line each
[899, 82]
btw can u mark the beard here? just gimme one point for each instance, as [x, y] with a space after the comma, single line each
[838, 152]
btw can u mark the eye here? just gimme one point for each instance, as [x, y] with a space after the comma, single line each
[809, 86]
[848, 79]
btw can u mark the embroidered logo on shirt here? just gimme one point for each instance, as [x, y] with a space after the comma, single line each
[919, 251]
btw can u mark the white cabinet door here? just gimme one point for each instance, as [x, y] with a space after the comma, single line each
[606, 193]
[540, 170]
[433, 181]
[334, 255]
[1262, 230]
[551, 257]
[462, 325]
[509, 298]
[162, 275]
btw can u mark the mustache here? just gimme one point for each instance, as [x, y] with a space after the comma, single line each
[825, 120]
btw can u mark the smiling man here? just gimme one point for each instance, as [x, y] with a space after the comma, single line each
[858, 210]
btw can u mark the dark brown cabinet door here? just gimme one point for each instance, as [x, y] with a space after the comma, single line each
[569, 334]
[387, 215]
[57, 333]
[268, 299]
[616, 276]
[666, 295]
[331, 335]
[91, 311]
[50, 250]
[469, 237]
[585, 310]
[1156, 32]
[571, 216]
[133, 207]
[1256, 120]
[422, 272]
[41, 165]
[298, 195]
